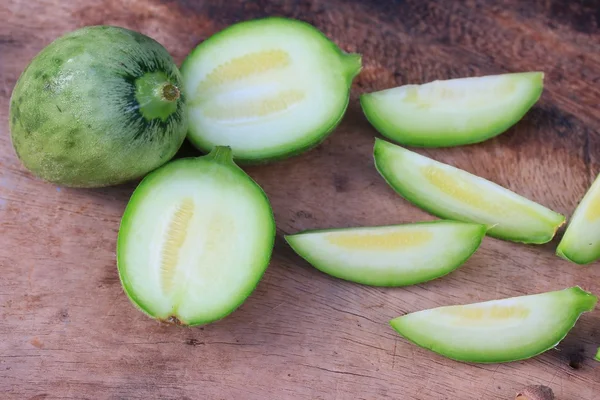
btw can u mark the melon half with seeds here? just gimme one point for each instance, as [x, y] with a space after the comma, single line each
[268, 88]
[195, 239]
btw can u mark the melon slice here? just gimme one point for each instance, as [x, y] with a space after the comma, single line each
[453, 112]
[396, 255]
[452, 193]
[499, 330]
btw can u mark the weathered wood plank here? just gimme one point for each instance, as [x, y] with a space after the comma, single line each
[68, 331]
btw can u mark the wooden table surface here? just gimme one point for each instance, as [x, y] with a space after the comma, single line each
[68, 331]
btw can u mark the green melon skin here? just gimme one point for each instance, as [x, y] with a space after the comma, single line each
[75, 113]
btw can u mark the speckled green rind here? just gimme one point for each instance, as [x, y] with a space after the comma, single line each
[218, 167]
[344, 68]
[581, 242]
[451, 245]
[421, 126]
[548, 319]
[512, 217]
[74, 117]
[597, 358]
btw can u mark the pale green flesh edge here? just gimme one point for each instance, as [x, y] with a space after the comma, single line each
[350, 63]
[547, 340]
[576, 233]
[138, 196]
[368, 276]
[597, 358]
[394, 130]
[421, 199]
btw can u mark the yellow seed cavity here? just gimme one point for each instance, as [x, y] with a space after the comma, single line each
[432, 94]
[244, 67]
[457, 188]
[176, 234]
[466, 94]
[473, 195]
[470, 314]
[411, 95]
[592, 212]
[259, 107]
[218, 248]
[379, 241]
[220, 227]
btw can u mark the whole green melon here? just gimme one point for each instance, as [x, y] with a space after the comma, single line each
[99, 106]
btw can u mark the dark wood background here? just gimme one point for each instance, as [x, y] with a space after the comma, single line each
[68, 331]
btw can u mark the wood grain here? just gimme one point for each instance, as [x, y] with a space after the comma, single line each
[68, 331]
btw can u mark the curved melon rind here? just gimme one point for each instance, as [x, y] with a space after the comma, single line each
[400, 169]
[437, 262]
[409, 125]
[487, 343]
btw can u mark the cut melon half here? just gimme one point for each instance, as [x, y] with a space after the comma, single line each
[268, 88]
[452, 112]
[499, 330]
[195, 239]
[395, 255]
[581, 241]
[455, 194]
